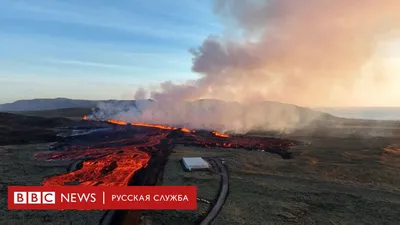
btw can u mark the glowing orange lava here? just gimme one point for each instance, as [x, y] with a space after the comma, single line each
[220, 134]
[118, 122]
[163, 127]
[116, 168]
[185, 130]
[112, 158]
[159, 126]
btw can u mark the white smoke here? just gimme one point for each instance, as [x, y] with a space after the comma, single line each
[303, 52]
[211, 114]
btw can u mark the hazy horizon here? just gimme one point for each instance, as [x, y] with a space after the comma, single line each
[367, 112]
[127, 99]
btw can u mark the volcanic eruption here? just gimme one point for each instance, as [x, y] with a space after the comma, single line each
[306, 53]
[114, 157]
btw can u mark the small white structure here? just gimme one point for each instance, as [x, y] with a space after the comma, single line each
[194, 163]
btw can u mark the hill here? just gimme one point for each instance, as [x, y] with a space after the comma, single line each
[20, 129]
[53, 103]
[368, 113]
[70, 113]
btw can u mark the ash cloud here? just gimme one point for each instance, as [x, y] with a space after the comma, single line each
[310, 53]
[301, 52]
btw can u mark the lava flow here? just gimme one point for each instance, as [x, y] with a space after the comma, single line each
[116, 156]
[109, 166]
[220, 134]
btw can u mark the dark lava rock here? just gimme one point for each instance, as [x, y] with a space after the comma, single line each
[107, 169]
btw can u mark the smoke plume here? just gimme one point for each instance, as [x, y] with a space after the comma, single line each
[310, 53]
[211, 114]
[301, 52]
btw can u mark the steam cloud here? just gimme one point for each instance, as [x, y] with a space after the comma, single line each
[314, 52]
[211, 115]
[306, 52]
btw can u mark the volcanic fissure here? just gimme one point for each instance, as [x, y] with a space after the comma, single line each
[135, 154]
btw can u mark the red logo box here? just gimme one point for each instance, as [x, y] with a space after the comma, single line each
[102, 198]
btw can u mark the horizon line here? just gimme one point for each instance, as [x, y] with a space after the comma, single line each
[149, 99]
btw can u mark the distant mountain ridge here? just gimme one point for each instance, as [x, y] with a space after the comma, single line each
[368, 113]
[53, 103]
[41, 104]
[272, 108]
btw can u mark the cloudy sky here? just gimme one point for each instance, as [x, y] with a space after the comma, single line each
[97, 49]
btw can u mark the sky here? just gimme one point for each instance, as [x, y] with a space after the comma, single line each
[322, 53]
[98, 49]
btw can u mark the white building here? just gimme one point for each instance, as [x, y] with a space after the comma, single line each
[194, 163]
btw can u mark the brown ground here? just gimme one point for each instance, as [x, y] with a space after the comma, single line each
[20, 129]
[70, 113]
[330, 181]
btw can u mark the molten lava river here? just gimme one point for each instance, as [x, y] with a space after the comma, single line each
[123, 154]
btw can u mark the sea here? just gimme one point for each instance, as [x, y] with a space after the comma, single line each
[369, 113]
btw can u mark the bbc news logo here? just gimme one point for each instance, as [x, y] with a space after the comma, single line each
[34, 197]
[102, 198]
